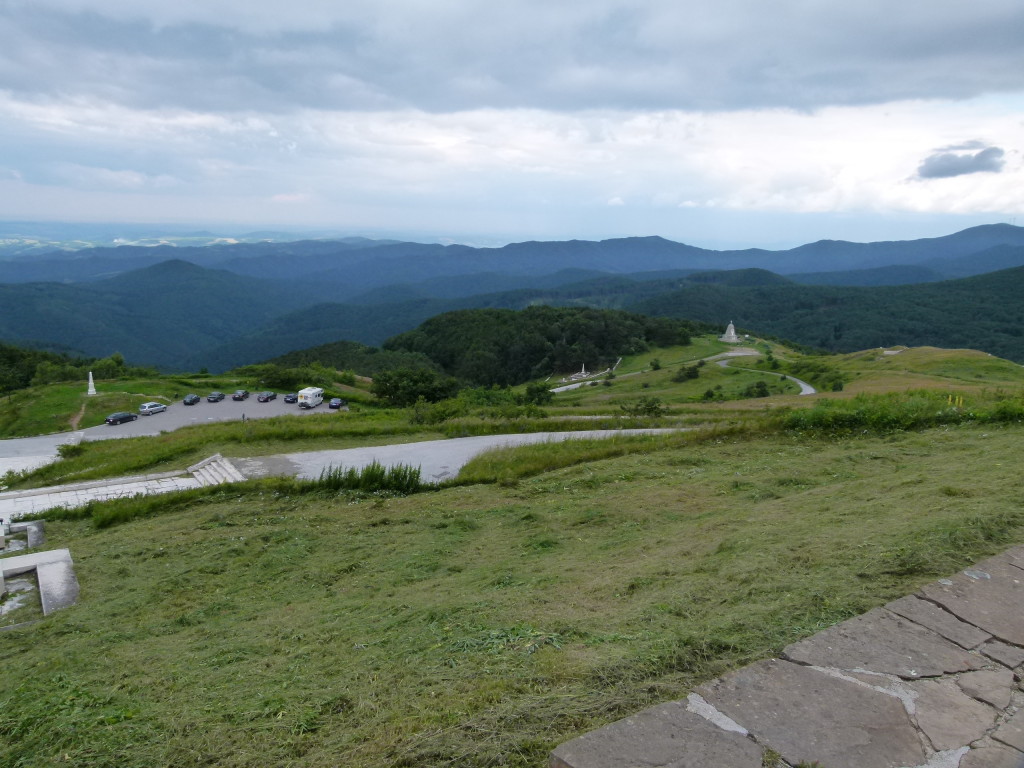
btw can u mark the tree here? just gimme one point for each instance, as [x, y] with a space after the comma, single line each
[404, 386]
[537, 393]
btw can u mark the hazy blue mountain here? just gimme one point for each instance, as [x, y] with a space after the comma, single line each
[980, 262]
[355, 266]
[158, 316]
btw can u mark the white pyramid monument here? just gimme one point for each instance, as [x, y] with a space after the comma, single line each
[730, 336]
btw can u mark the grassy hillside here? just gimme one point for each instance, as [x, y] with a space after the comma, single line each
[480, 626]
[556, 589]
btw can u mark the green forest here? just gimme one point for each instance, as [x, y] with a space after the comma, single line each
[486, 347]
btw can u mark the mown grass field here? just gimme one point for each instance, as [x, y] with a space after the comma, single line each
[482, 625]
[557, 588]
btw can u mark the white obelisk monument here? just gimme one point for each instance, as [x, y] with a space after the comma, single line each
[92, 387]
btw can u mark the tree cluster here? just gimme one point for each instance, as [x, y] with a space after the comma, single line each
[506, 347]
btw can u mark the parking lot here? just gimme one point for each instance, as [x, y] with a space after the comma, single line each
[179, 415]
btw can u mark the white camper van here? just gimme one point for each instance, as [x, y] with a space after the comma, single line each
[310, 397]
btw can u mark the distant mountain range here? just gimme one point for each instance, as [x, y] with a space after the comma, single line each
[225, 304]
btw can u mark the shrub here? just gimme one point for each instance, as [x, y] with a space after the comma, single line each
[645, 406]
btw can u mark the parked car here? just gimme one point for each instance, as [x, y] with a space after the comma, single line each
[121, 417]
[337, 402]
[215, 397]
[240, 394]
[291, 397]
[191, 399]
[266, 397]
[148, 409]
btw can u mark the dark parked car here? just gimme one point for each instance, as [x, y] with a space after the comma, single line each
[337, 402]
[215, 397]
[266, 397]
[240, 394]
[191, 399]
[121, 417]
[291, 397]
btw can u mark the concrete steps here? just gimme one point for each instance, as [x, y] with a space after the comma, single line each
[215, 470]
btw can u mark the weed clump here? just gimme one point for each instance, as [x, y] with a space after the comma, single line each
[374, 477]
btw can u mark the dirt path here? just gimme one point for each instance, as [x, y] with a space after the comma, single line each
[77, 418]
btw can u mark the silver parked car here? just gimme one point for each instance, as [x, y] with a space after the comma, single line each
[148, 409]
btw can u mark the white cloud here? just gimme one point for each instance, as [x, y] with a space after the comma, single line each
[522, 113]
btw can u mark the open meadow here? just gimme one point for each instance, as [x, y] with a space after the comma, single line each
[551, 590]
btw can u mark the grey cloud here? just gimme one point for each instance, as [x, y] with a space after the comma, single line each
[573, 55]
[944, 164]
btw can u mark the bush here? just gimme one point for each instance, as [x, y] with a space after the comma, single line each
[757, 389]
[686, 373]
[70, 450]
[645, 406]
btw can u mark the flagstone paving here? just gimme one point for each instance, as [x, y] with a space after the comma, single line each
[931, 680]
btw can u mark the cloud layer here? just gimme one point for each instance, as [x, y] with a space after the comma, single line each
[531, 118]
[459, 55]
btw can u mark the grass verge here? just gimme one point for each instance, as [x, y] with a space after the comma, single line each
[481, 625]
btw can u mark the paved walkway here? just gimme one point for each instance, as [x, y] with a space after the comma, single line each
[928, 681]
[438, 460]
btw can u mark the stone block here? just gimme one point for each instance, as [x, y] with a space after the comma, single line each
[809, 715]
[58, 587]
[665, 736]
[881, 641]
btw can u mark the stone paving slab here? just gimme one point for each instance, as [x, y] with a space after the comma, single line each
[1008, 655]
[1011, 732]
[947, 716]
[806, 714]
[994, 687]
[992, 757]
[980, 595]
[936, 619]
[881, 641]
[665, 736]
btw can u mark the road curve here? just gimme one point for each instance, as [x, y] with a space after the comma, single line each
[438, 460]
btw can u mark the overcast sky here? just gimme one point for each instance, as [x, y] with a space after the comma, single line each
[717, 123]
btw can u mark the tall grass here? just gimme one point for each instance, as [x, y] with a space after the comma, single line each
[918, 409]
[399, 478]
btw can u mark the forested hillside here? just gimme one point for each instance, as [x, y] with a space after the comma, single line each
[983, 312]
[503, 347]
[352, 356]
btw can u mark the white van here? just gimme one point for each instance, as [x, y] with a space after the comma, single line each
[310, 397]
